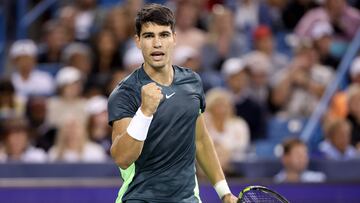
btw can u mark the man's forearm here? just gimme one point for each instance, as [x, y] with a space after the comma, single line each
[208, 160]
[124, 149]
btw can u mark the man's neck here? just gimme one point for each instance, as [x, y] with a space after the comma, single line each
[163, 76]
[292, 176]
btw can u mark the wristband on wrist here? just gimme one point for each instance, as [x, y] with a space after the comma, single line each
[222, 188]
[139, 126]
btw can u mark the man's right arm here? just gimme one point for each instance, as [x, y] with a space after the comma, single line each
[125, 149]
[129, 134]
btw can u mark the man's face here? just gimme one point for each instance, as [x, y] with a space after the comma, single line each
[156, 43]
[297, 160]
[25, 63]
[341, 137]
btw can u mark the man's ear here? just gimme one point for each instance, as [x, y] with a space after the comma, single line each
[137, 41]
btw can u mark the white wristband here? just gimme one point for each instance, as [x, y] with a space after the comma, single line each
[222, 188]
[139, 126]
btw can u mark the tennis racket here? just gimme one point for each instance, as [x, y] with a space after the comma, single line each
[260, 194]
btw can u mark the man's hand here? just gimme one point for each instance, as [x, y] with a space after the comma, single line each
[229, 198]
[150, 98]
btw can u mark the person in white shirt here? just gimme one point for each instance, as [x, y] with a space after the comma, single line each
[295, 161]
[26, 79]
[16, 144]
[337, 145]
[72, 144]
[229, 132]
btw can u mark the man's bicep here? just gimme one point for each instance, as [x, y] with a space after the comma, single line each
[119, 127]
[200, 128]
[122, 103]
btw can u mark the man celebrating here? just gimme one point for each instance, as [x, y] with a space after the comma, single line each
[158, 126]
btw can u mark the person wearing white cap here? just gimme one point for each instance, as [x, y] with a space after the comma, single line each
[236, 75]
[260, 68]
[69, 99]
[26, 79]
[329, 48]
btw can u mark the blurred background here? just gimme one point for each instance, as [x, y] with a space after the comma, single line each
[282, 83]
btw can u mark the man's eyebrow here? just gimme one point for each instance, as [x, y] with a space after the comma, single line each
[165, 32]
[147, 33]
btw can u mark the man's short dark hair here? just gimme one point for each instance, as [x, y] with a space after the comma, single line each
[289, 143]
[154, 13]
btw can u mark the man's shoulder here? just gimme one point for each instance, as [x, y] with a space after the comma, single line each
[186, 73]
[313, 176]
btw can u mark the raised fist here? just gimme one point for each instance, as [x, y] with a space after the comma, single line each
[151, 96]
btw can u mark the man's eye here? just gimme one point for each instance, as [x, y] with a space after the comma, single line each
[165, 35]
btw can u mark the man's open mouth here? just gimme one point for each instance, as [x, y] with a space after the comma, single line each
[157, 55]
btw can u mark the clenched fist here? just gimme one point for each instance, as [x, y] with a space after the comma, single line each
[150, 98]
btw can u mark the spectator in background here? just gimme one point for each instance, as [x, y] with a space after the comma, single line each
[236, 77]
[344, 19]
[10, 104]
[114, 80]
[322, 37]
[120, 24]
[132, 59]
[73, 145]
[27, 80]
[88, 18]
[295, 161]
[97, 126]
[337, 143]
[17, 147]
[186, 56]
[246, 14]
[69, 100]
[264, 43]
[186, 32]
[78, 55]
[229, 132]
[66, 18]
[246, 18]
[259, 67]
[43, 132]
[339, 106]
[106, 55]
[270, 14]
[353, 117]
[295, 10]
[53, 42]
[355, 71]
[221, 42]
[106, 58]
[132, 7]
[304, 80]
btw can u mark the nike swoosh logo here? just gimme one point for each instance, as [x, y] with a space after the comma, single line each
[168, 96]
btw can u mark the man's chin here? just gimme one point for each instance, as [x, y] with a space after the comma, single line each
[158, 66]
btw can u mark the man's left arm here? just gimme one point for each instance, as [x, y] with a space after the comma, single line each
[209, 162]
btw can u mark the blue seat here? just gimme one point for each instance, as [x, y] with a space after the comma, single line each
[264, 149]
[279, 128]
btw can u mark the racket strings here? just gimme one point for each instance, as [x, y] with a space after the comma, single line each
[258, 196]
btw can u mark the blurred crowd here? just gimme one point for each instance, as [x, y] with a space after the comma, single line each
[258, 59]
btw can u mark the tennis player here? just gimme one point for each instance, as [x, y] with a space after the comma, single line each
[158, 126]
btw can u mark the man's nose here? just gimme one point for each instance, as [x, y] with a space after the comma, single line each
[157, 42]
